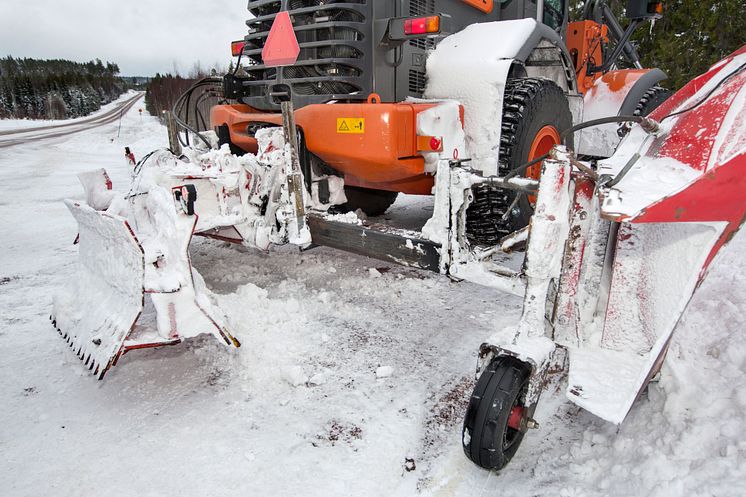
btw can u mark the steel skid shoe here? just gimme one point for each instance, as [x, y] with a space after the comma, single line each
[133, 289]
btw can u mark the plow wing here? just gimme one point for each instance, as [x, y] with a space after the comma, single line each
[644, 227]
[99, 309]
[671, 201]
[135, 287]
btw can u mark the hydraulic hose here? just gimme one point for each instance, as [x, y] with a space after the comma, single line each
[649, 125]
[186, 97]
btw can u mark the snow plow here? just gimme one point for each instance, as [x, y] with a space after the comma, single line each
[135, 288]
[618, 216]
[614, 255]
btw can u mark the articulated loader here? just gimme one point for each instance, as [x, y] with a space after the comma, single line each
[530, 133]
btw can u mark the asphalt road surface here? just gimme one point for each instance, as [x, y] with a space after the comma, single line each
[20, 136]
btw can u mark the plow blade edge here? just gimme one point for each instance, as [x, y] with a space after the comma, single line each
[96, 312]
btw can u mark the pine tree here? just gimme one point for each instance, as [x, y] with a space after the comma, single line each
[691, 36]
[31, 88]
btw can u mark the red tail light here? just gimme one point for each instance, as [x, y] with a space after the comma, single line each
[237, 47]
[422, 25]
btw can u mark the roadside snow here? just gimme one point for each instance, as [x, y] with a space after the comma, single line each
[300, 408]
[30, 124]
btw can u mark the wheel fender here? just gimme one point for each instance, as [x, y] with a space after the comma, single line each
[542, 35]
[615, 93]
[642, 84]
[454, 72]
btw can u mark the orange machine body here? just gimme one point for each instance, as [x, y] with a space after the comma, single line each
[585, 41]
[375, 145]
[485, 6]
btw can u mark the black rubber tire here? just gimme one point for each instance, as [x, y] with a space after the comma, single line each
[528, 106]
[487, 439]
[371, 202]
[651, 100]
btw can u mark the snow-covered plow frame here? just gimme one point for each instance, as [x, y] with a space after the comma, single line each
[638, 233]
[131, 294]
[613, 253]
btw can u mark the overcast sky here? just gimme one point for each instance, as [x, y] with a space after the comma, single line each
[142, 36]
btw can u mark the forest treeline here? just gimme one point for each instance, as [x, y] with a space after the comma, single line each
[56, 89]
[692, 36]
[164, 89]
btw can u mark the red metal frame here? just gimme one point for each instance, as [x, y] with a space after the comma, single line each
[717, 195]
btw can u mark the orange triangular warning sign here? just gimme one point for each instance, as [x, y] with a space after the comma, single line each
[344, 127]
[281, 47]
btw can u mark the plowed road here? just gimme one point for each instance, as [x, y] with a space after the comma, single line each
[20, 136]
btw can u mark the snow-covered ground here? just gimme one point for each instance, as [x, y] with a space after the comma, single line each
[344, 374]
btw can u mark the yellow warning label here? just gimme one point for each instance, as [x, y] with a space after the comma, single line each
[351, 125]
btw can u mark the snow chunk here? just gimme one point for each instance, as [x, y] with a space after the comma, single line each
[294, 376]
[384, 372]
[348, 218]
[317, 380]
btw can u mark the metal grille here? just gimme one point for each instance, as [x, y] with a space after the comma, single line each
[423, 43]
[417, 82]
[418, 8]
[331, 64]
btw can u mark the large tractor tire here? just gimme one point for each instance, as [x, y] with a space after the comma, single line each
[494, 423]
[371, 202]
[535, 113]
[652, 99]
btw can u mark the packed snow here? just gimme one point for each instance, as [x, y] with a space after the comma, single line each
[352, 378]
[602, 101]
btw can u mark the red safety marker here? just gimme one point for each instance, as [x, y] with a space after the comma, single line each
[281, 48]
